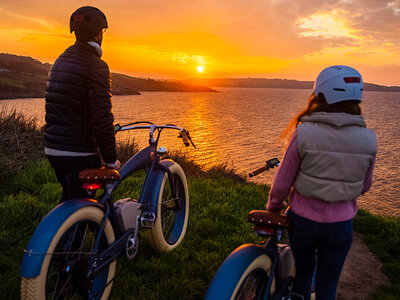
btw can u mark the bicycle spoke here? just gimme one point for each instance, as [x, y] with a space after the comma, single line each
[55, 287]
[165, 217]
[93, 240]
[253, 285]
[63, 288]
[168, 224]
[71, 241]
[57, 269]
[250, 291]
[82, 242]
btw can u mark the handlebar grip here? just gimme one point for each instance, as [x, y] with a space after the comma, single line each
[258, 171]
[185, 138]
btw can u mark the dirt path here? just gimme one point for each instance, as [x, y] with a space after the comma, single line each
[361, 273]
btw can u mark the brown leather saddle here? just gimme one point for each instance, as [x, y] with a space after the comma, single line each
[269, 218]
[99, 175]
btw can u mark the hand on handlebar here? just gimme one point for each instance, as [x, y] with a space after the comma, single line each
[115, 166]
[187, 140]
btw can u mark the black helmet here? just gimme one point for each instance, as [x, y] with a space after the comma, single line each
[89, 19]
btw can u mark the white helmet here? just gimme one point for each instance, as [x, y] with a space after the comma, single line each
[339, 83]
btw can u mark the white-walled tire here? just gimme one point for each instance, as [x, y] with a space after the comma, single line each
[253, 281]
[74, 236]
[170, 226]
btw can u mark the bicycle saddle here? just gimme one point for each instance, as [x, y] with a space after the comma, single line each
[268, 218]
[99, 174]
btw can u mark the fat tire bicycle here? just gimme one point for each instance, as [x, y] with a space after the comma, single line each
[72, 253]
[257, 271]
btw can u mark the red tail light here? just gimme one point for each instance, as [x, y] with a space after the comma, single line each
[91, 186]
[263, 231]
[352, 79]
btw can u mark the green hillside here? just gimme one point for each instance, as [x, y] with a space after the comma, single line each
[25, 77]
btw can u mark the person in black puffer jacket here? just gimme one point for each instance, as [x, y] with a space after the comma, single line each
[79, 131]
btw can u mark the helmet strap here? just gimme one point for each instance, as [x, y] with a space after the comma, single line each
[98, 38]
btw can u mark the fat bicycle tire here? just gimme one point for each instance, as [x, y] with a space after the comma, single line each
[37, 287]
[247, 282]
[253, 281]
[171, 223]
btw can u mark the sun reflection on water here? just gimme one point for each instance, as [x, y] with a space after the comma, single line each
[241, 127]
[204, 134]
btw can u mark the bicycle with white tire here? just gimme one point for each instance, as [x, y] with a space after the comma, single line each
[257, 271]
[72, 253]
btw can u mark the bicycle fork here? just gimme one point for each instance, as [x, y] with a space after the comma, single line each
[172, 185]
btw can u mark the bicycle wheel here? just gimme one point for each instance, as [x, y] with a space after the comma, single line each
[64, 269]
[172, 215]
[242, 278]
[253, 283]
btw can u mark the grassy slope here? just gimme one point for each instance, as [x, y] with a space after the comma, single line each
[217, 225]
[219, 204]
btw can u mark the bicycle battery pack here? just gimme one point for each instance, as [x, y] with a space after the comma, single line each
[286, 261]
[127, 210]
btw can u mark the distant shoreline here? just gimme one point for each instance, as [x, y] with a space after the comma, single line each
[276, 83]
[213, 87]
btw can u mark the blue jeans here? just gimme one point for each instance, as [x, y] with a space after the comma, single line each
[326, 244]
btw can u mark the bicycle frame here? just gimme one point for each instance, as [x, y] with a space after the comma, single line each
[148, 158]
[272, 248]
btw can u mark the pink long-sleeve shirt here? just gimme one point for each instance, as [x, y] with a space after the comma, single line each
[313, 209]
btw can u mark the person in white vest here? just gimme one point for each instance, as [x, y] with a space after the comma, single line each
[328, 163]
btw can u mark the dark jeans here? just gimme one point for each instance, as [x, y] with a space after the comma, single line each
[326, 244]
[67, 169]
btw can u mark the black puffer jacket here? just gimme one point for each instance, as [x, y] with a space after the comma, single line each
[78, 104]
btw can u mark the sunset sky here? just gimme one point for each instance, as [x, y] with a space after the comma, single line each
[219, 38]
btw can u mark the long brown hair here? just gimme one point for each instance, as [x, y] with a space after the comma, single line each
[317, 104]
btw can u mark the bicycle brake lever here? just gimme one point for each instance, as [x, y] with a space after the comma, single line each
[192, 143]
[190, 139]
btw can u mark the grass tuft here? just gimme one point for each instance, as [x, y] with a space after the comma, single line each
[194, 169]
[382, 236]
[20, 141]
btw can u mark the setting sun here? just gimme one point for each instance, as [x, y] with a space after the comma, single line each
[200, 69]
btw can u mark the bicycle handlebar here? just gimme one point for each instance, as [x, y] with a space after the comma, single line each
[258, 171]
[268, 164]
[184, 134]
[150, 126]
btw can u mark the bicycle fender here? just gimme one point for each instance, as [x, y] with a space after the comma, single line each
[151, 189]
[44, 233]
[229, 273]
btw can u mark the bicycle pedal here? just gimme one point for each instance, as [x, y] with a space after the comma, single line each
[148, 219]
